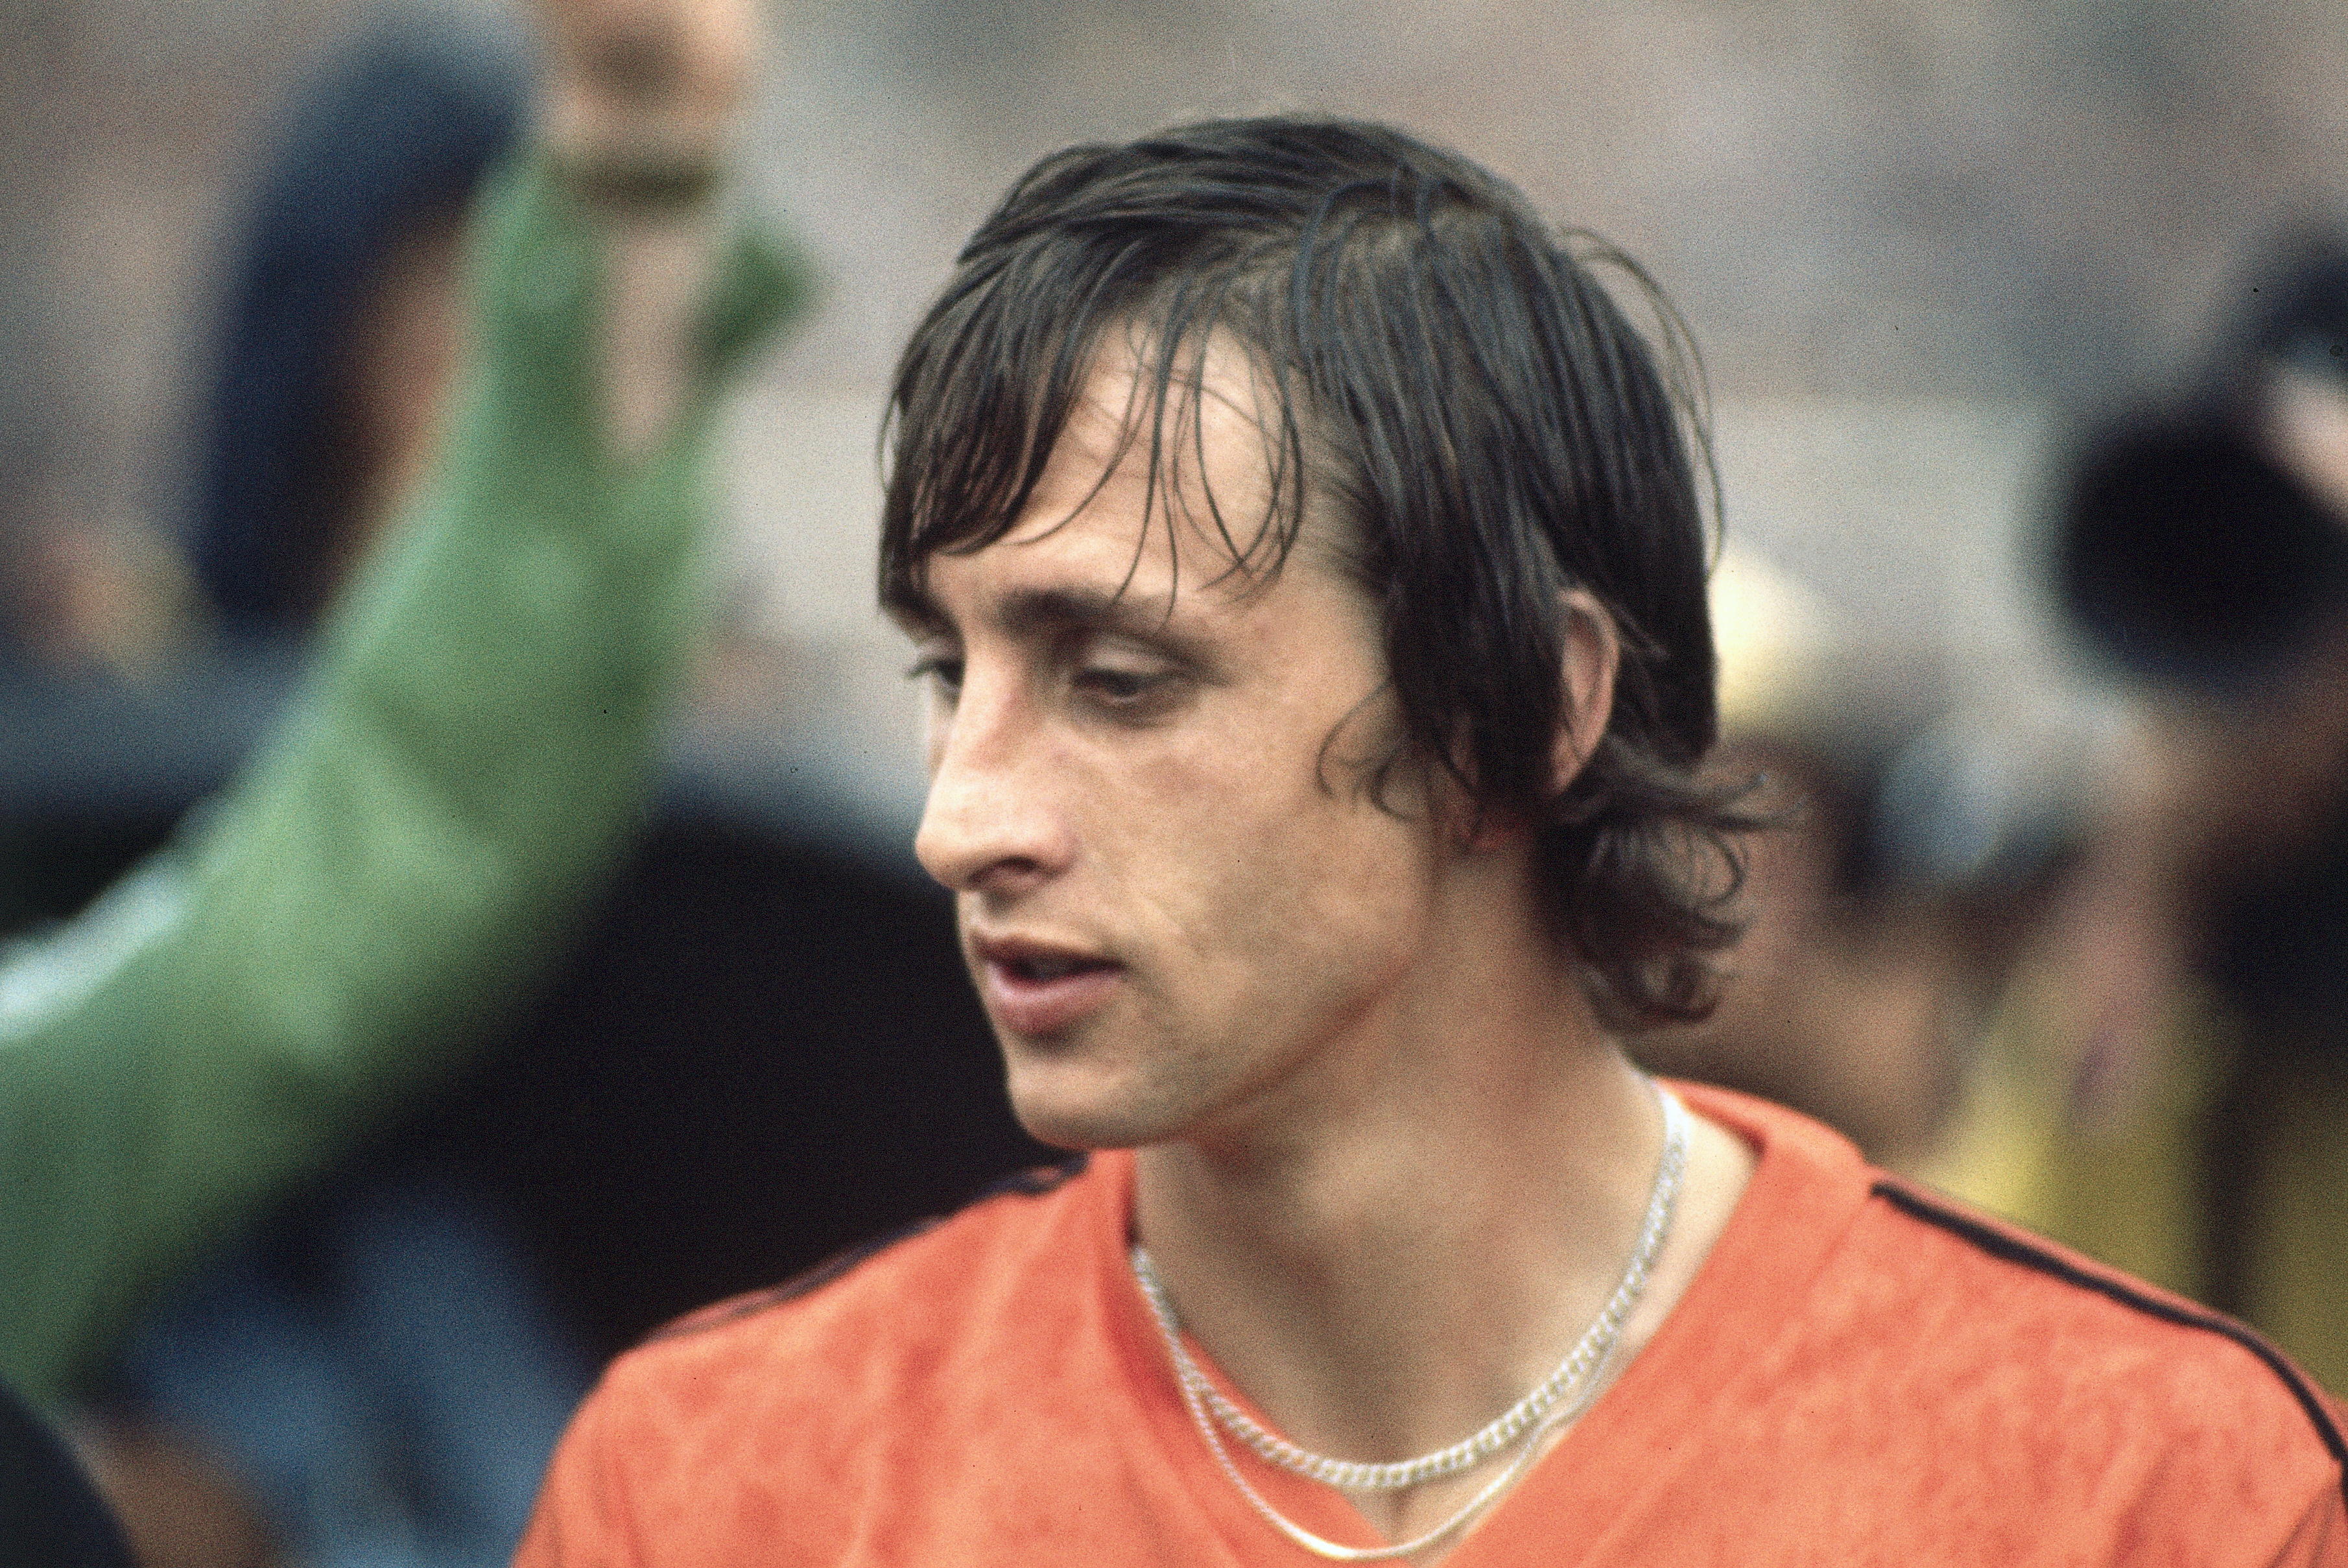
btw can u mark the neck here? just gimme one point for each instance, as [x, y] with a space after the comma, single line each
[1408, 1237]
[1388, 1256]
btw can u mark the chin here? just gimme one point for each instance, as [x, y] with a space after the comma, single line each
[1077, 1127]
[1082, 1115]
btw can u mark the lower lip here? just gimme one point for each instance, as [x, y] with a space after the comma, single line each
[1035, 1008]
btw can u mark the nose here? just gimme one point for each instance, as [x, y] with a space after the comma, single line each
[994, 822]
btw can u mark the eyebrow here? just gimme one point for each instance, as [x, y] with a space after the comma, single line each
[1043, 611]
[1030, 611]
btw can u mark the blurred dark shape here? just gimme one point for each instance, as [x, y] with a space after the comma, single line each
[339, 331]
[2168, 1089]
[49, 1516]
[389, 140]
[2199, 553]
[2187, 553]
[766, 1050]
[2185, 547]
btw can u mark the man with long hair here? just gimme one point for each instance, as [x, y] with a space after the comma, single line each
[1305, 558]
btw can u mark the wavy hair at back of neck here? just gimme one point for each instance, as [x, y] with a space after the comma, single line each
[1442, 364]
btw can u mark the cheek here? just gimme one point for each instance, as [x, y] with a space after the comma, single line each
[1259, 875]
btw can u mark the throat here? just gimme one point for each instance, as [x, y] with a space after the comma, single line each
[1425, 1367]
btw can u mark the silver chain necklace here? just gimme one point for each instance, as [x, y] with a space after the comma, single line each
[1557, 1397]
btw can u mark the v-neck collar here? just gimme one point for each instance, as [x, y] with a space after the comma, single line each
[1809, 1185]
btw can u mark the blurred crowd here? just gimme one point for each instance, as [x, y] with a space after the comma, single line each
[360, 1112]
[2085, 963]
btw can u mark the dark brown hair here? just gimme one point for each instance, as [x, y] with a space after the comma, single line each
[1445, 366]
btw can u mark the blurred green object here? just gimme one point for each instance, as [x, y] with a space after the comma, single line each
[360, 907]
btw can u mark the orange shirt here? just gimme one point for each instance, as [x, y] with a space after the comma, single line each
[1861, 1373]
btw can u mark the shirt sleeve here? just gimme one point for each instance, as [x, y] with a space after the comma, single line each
[423, 827]
[581, 1519]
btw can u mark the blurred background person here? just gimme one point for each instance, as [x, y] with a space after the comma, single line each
[2169, 1087]
[376, 1368]
[766, 1006]
[1916, 827]
[434, 814]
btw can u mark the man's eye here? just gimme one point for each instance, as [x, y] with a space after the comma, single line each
[1123, 688]
[943, 671]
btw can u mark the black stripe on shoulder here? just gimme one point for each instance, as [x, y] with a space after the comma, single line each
[2016, 1249]
[1035, 1181]
[1030, 1184]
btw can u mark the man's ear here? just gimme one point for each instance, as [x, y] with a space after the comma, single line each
[1593, 652]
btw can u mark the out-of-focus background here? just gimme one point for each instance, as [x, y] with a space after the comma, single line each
[2041, 916]
[1910, 237]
